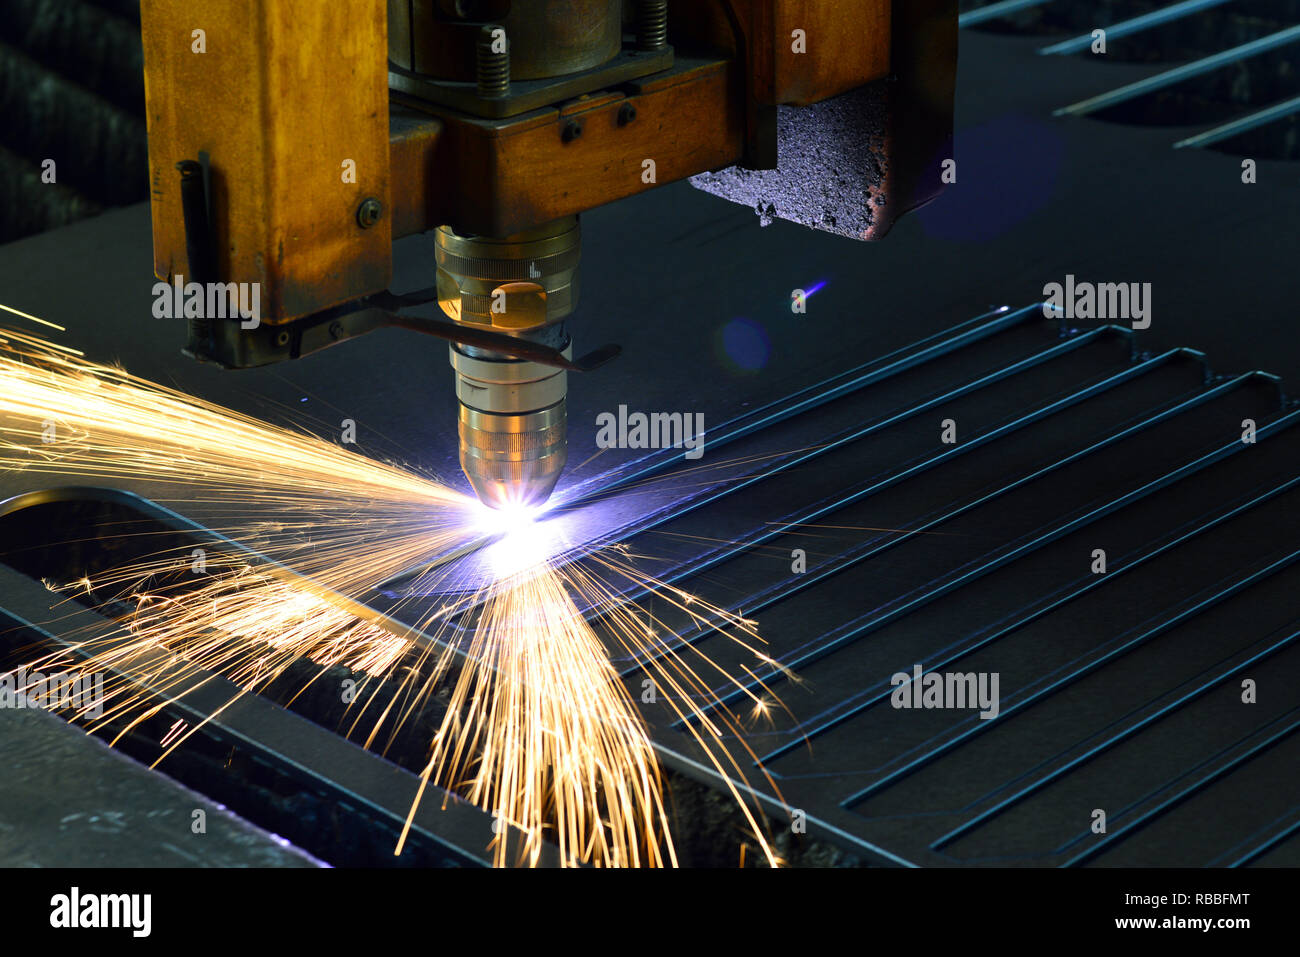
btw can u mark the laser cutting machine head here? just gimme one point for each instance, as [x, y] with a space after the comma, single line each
[512, 422]
[493, 124]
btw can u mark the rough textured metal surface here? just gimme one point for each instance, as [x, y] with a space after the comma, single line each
[72, 91]
[88, 43]
[111, 811]
[30, 206]
[832, 166]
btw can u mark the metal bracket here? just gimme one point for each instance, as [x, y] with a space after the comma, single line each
[233, 347]
[526, 95]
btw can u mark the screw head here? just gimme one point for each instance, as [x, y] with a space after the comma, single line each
[572, 130]
[369, 212]
[626, 114]
[282, 337]
[336, 330]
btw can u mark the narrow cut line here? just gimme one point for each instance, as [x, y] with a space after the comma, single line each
[1241, 125]
[1187, 71]
[996, 10]
[1133, 25]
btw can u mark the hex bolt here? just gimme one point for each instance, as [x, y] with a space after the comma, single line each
[492, 68]
[651, 25]
[626, 114]
[369, 212]
[572, 130]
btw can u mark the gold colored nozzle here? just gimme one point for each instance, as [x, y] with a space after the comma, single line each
[513, 460]
[513, 442]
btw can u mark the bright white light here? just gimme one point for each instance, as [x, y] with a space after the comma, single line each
[521, 543]
[507, 519]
